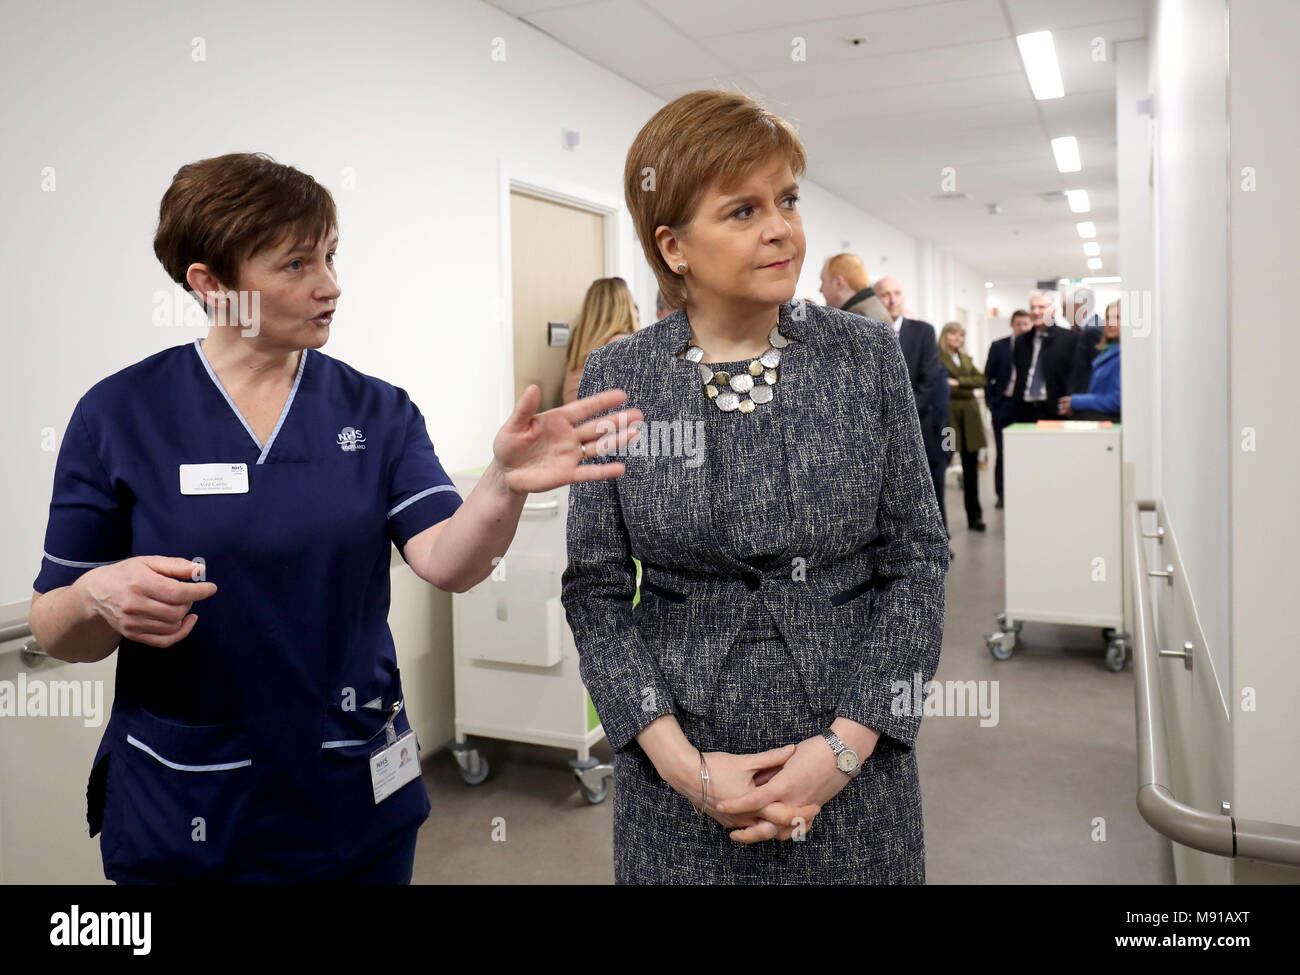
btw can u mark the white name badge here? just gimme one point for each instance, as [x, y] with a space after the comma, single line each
[214, 478]
[395, 765]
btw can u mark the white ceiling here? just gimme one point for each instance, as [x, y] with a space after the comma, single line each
[938, 83]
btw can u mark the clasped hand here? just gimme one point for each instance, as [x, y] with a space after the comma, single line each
[767, 795]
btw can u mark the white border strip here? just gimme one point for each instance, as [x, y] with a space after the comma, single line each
[132, 740]
[423, 494]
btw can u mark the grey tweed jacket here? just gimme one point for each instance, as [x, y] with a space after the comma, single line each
[861, 608]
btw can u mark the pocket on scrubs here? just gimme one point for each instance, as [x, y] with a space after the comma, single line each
[177, 798]
[359, 824]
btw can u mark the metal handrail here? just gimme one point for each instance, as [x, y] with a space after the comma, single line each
[1225, 835]
[31, 651]
[15, 631]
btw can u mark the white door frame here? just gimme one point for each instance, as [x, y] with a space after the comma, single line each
[514, 175]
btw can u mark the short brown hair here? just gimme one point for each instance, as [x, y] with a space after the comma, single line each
[1019, 313]
[694, 141]
[221, 211]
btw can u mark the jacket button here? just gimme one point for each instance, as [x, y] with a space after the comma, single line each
[753, 583]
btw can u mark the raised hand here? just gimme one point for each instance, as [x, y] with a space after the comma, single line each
[541, 451]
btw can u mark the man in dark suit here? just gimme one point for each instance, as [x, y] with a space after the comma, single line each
[1000, 370]
[921, 352]
[920, 348]
[1043, 357]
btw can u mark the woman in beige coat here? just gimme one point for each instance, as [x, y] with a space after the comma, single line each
[964, 417]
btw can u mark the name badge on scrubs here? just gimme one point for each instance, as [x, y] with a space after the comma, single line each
[214, 478]
[396, 763]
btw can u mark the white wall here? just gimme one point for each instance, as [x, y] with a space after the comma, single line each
[1189, 78]
[1140, 373]
[1265, 110]
[407, 98]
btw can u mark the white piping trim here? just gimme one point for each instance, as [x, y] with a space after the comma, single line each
[78, 565]
[423, 494]
[132, 740]
[302, 363]
[353, 742]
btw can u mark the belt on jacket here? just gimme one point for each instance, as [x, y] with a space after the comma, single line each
[753, 582]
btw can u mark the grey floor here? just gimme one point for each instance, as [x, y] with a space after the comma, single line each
[1022, 801]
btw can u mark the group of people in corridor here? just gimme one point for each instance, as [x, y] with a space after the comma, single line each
[1043, 370]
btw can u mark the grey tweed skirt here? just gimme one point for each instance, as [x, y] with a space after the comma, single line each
[870, 833]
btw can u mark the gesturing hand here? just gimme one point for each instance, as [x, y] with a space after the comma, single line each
[807, 780]
[541, 451]
[143, 599]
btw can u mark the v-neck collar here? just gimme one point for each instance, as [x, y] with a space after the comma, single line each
[265, 450]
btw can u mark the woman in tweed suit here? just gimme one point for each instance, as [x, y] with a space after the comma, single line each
[792, 555]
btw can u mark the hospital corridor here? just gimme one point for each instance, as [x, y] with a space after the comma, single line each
[491, 444]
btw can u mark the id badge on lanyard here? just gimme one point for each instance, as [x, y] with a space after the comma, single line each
[396, 762]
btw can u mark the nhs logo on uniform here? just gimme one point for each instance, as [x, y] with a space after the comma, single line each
[350, 438]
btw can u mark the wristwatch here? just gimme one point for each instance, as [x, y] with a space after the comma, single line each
[846, 759]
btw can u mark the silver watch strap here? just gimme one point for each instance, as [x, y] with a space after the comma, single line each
[837, 746]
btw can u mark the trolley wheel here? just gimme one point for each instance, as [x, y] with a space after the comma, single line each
[1116, 654]
[1000, 646]
[477, 771]
[597, 796]
[1109, 633]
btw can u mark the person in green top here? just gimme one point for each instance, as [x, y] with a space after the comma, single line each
[964, 417]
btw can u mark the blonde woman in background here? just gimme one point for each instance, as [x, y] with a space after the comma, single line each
[608, 314]
[964, 415]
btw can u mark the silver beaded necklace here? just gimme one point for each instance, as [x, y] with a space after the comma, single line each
[726, 390]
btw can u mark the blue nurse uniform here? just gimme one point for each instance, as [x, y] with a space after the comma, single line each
[241, 753]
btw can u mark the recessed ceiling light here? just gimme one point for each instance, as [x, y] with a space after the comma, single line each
[1092, 249]
[1086, 229]
[1039, 56]
[988, 284]
[1066, 151]
[1094, 264]
[1078, 200]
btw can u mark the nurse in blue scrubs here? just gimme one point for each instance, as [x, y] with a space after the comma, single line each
[223, 514]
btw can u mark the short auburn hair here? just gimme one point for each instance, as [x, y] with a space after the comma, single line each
[850, 268]
[221, 211]
[700, 139]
